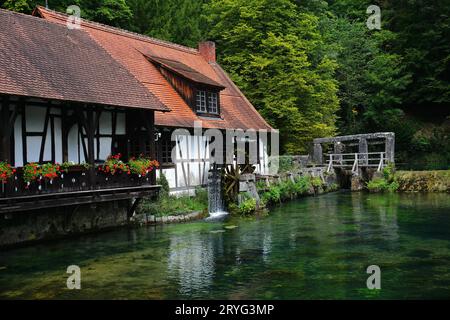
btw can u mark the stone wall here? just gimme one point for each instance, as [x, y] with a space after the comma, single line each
[423, 181]
[22, 227]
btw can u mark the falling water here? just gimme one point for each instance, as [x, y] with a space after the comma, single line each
[215, 201]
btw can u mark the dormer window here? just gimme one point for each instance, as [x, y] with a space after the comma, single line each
[201, 101]
[207, 102]
[199, 92]
[212, 103]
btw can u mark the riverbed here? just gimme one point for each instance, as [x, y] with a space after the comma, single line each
[311, 248]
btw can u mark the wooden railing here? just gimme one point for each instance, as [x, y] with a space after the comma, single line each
[75, 180]
[355, 160]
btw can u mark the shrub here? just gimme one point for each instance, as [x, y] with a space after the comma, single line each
[303, 185]
[387, 183]
[377, 185]
[162, 181]
[273, 195]
[261, 185]
[316, 182]
[333, 187]
[248, 206]
[287, 190]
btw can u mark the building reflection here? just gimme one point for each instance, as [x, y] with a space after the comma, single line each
[191, 261]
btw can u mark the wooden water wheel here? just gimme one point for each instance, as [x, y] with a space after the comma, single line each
[231, 176]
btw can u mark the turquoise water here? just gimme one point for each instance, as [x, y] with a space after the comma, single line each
[313, 248]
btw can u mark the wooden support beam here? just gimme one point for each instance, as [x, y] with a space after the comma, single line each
[90, 131]
[5, 131]
[149, 122]
[44, 134]
[65, 127]
[24, 130]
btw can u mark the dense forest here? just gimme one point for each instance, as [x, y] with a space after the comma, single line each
[313, 67]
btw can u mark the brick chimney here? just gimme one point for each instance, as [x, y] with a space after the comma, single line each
[208, 50]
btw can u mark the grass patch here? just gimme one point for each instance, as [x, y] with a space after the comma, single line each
[167, 205]
[388, 182]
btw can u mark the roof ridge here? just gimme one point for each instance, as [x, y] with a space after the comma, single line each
[124, 32]
[26, 16]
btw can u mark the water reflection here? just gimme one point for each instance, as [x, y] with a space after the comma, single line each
[316, 247]
[191, 261]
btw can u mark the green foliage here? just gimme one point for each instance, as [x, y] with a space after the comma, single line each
[6, 171]
[247, 207]
[333, 187]
[25, 6]
[288, 189]
[162, 181]
[423, 181]
[312, 67]
[172, 20]
[303, 185]
[316, 182]
[272, 51]
[422, 29]
[286, 164]
[389, 172]
[167, 205]
[113, 12]
[272, 196]
[261, 185]
[381, 185]
[387, 183]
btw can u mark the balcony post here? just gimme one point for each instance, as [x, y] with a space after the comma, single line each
[90, 131]
[5, 131]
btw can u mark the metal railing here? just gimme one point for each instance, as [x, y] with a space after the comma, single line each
[355, 160]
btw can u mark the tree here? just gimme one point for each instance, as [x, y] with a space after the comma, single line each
[272, 51]
[112, 12]
[423, 29]
[178, 21]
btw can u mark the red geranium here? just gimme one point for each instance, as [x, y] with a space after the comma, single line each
[6, 171]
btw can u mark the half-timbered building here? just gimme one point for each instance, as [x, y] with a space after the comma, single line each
[79, 97]
[63, 98]
[191, 83]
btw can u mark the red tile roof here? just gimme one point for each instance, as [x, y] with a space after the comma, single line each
[184, 71]
[129, 49]
[46, 60]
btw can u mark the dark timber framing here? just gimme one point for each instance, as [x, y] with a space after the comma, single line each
[15, 196]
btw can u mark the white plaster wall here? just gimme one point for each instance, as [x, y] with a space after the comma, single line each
[58, 140]
[75, 150]
[18, 152]
[35, 118]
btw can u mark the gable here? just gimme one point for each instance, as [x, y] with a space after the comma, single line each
[132, 51]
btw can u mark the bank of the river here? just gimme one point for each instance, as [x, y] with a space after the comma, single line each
[423, 181]
[311, 248]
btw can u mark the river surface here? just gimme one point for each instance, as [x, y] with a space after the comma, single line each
[311, 248]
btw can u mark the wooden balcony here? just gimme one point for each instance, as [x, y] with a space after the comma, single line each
[77, 186]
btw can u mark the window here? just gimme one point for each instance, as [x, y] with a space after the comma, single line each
[212, 102]
[201, 101]
[164, 152]
[207, 102]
